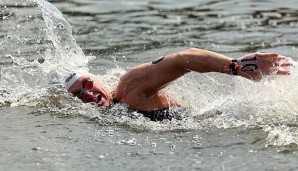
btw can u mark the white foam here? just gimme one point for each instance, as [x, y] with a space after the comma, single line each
[216, 100]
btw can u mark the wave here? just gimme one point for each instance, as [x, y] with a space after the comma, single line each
[214, 100]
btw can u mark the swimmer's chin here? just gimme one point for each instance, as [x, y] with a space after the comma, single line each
[99, 104]
[92, 103]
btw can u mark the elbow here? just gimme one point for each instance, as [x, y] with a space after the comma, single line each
[192, 59]
[181, 60]
[189, 54]
[192, 51]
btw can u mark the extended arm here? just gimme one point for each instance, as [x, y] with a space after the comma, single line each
[151, 77]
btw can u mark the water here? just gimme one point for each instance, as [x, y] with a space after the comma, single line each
[235, 124]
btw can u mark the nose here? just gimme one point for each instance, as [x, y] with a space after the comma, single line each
[87, 96]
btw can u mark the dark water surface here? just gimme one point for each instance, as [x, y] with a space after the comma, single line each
[239, 125]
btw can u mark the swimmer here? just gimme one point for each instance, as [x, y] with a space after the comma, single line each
[140, 87]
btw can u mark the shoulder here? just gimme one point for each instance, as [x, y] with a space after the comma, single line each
[130, 83]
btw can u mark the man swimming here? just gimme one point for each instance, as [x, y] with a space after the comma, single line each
[140, 87]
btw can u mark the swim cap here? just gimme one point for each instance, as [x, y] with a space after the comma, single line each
[73, 76]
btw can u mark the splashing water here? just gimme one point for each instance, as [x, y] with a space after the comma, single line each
[60, 55]
[215, 100]
[271, 104]
[65, 51]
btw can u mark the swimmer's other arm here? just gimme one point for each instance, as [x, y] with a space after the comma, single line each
[153, 76]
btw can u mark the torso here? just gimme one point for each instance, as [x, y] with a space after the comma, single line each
[141, 87]
[146, 103]
[129, 91]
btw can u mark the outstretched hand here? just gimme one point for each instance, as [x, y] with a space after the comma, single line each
[257, 65]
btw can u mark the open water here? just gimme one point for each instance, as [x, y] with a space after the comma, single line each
[233, 124]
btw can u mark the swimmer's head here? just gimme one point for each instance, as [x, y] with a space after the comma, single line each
[97, 93]
[74, 76]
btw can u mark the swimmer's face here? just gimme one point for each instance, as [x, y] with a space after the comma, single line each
[97, 93]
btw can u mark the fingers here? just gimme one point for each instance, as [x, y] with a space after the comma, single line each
[286, 64]
[267, 55]
[276, 59]
[271, 63]
[281, 65]
[283, 72]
